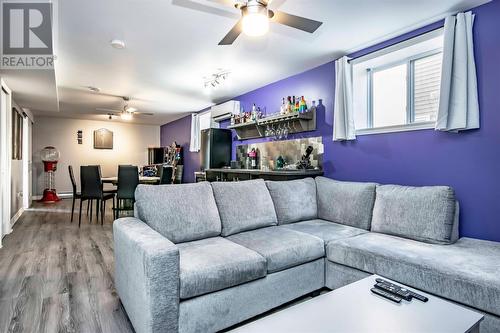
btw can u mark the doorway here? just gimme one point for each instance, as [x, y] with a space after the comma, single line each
[5, 161]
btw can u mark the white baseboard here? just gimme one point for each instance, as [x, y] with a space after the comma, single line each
[16, 217]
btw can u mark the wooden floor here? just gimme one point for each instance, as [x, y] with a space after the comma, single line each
[55, 277]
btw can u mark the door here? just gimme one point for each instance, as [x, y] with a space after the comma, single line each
[5, 159]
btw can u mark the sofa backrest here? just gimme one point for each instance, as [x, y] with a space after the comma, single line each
[294, 200]
[428, 214]
[181, 213]
[348, 203]
[245, 205]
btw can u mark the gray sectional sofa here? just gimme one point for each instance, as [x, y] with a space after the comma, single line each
[203, 257]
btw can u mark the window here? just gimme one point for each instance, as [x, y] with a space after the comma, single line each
[205, 120]
[397, 88]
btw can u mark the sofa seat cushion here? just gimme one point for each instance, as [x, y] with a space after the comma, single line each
[466, 272]
[213, 264]
[294, 200]
[427, 213]
[326, 230]
[181, 213]
[245, 205]
[348, 203]
[283, 248]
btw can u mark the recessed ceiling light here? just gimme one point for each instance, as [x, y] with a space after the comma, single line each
[117, 44]
[93, 89]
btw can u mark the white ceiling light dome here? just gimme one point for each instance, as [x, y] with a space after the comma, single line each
[117, 44]
[255, 20]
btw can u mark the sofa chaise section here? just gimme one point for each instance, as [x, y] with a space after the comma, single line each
[467, 271]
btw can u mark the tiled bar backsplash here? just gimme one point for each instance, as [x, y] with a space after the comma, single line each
[290, 150]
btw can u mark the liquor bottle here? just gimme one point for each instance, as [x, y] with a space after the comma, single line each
[232, 119]
[289, 104]
[293, 104]
[253, 158]
[283, 107]
[297, 107]
[302, 105]
[253, 115]
[313, 107]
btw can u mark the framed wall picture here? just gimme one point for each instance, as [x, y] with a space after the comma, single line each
[103, 139]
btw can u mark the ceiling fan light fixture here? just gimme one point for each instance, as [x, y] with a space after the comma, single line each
[255, 21]
[126, 116]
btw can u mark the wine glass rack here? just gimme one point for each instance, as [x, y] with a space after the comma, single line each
[295, 122]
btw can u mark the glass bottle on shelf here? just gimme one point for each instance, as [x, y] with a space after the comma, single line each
[289, 104]
[283, 107]
[253, 115]
[313, 107]
[302, 105]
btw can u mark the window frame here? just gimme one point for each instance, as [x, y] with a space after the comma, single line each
[410, 125]
[410, 91]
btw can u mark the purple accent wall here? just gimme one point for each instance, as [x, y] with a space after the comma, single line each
[469, 161]
[180, 131]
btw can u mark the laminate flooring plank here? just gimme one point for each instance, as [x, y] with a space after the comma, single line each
[56, 277]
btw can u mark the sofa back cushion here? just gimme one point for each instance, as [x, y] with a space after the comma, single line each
[181, 213]
[348, 203]
[428, 214]
[294, 200]
[245, 205]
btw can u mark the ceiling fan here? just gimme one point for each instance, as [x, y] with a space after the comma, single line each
[255, 18]
[126, 113]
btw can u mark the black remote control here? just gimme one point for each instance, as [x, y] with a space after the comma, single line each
[418, 296]
[400, 291]
[385, 294]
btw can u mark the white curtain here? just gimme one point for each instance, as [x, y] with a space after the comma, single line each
[343, 118]
[194, 144]
[458, 106]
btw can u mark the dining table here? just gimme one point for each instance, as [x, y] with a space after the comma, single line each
[142, 180]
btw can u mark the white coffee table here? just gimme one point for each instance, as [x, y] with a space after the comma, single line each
[355, 309]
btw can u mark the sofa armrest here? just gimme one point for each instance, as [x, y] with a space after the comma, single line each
[146, 276]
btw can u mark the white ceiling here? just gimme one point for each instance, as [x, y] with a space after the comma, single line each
[171, 45]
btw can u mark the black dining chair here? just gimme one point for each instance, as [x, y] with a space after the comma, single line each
[166, 175]
[76, 195]
[128, 179]
[92, 189]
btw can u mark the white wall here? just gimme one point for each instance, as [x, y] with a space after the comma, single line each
[130, 143]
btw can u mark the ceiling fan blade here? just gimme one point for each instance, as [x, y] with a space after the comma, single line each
[109, 110]
[296, 22]
[232, 34]
[204, 8]
[143, 113]
[230, 3]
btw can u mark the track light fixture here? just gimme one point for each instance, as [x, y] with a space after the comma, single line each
[216, 79]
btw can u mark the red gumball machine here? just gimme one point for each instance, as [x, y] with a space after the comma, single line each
[50, 157]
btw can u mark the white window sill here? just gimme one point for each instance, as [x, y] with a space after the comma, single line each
[397, 128]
